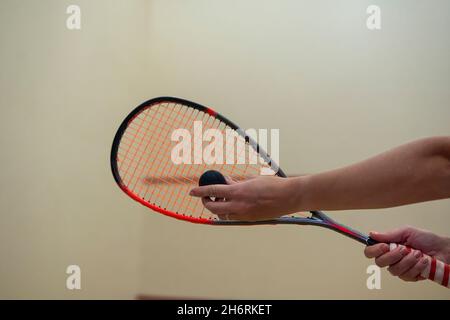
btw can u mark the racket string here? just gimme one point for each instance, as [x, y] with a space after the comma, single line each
[161, 190]
[160, 129]
[236, 168]
[189, 205]
[141, 153]
[190, 199]
[134, 133]
[160, 152]
[145, 164]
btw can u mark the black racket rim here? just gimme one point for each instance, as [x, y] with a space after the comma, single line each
[166, 99]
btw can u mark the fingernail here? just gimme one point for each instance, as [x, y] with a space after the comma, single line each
[373, 233]
[191, 193]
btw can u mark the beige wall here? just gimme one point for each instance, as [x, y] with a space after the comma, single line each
[63, 95]
[338, 93]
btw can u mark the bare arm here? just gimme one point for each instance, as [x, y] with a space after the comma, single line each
[415, 172]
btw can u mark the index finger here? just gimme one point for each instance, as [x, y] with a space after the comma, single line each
[392, 257]
[376, 250]
[214, 190]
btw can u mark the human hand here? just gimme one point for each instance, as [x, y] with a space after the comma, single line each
[261, 198]
[402, 262]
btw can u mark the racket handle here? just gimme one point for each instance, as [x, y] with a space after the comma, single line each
[436, 270]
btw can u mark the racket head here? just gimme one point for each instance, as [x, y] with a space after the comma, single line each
[141, 160]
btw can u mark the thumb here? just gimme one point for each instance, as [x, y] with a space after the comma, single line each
[396, 236]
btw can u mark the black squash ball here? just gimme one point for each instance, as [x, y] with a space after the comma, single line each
[211, 177]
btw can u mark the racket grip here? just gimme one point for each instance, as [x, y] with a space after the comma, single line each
[436, 270]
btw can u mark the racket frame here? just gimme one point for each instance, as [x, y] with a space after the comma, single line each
[317, 218]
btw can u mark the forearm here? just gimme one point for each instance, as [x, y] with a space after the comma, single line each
[416, 172]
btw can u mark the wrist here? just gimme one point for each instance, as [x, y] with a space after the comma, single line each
[298, 185]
